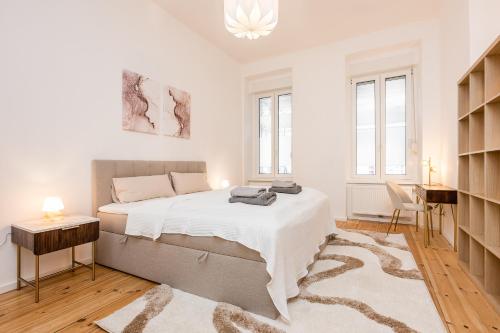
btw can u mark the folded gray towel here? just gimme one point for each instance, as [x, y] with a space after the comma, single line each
[289, 190]
[283, 183]
[264, 199]
[247, 191]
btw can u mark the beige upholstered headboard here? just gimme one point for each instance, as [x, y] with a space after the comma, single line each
[103, 171]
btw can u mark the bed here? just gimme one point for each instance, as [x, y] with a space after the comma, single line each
[209, 266]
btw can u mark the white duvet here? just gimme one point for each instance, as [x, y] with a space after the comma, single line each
[287, 234]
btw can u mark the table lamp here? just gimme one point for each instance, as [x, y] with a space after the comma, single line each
[225, 183]
[52, 207]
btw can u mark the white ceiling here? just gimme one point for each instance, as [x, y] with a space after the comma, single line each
[302, 23]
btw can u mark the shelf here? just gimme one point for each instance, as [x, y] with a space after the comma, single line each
[479, 108]
[465, 228]
[463, 246]
[492, 278]
[476, 174]
[476, 130]
[476, 263]
[464, 79]
[463, 135]
[479, 239]
[463, 99]
[494, 99]
[491, 130]
[492, 224]
[463, 173]
[482, 151]
[476, 90]
[463, 210]
[480, 196]
[493, 175]
[495, 250]
[476, 218]
[492, 76]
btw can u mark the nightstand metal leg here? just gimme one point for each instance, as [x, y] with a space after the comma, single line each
[37, 278]
[18, 267]
[93, 261]
[73, 258]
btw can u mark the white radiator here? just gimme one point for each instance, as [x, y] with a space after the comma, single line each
[371, 201]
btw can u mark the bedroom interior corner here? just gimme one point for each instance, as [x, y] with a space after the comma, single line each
[248, 160]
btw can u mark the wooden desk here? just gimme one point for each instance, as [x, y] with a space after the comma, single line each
[437, 194]
[46, 236]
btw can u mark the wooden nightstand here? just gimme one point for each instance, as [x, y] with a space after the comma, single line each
[45, 236]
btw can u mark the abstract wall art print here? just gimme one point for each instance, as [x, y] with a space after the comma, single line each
[141, 103]
[176, 113]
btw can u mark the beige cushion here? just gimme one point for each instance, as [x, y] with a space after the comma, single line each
[185, 183]
[113, 194]
[132, 189]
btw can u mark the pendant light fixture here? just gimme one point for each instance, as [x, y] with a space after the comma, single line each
[250, 18]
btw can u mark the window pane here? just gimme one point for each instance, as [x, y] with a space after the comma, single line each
[285, 134]
[395, 125]
[365, 128]
[265, 135]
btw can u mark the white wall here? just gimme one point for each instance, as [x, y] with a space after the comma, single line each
[61, 103]
[454, 19]
[320, 116]
[484, 22]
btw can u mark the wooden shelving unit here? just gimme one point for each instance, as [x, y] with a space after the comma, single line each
[479, 173]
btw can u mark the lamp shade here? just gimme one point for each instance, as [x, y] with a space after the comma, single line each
[52, 205]
[225, 183]
[250, 18]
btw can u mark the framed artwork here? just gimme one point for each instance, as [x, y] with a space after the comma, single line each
[141, 103]
[176, 113]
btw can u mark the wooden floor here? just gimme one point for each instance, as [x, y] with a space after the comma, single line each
[71, 302]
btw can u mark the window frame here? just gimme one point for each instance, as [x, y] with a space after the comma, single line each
[274, 94]
[354, 85]
[411, 158]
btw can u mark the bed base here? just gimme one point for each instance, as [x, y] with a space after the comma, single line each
[221, 278]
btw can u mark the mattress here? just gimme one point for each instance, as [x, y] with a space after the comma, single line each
[116, 222]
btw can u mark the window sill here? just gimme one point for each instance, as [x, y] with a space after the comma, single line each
[268, 179]
[381, 181]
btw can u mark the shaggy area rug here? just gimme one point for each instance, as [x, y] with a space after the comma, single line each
[362, 282]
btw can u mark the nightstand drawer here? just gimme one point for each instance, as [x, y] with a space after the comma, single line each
[58, 239]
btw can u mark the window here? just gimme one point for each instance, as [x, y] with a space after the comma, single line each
[383, 127]
[366, 139]
[274, 130]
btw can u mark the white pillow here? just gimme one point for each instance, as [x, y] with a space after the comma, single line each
[185, 183]
[132, 189]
